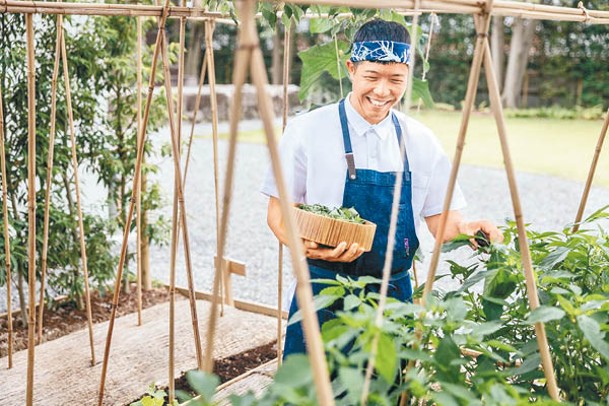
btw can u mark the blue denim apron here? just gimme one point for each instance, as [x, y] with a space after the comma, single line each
[371, 193]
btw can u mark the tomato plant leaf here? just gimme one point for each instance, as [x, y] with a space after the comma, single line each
[592, 332]
[543, 314]
[386, 360]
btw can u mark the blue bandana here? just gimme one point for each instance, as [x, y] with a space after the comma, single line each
[381, 51]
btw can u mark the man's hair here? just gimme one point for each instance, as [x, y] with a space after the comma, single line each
[381, 30]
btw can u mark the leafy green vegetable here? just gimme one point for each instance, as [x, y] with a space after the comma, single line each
[342, 213]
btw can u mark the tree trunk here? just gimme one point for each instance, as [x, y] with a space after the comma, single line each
[522, 38]
[277, 61]
[498, 48]
[194, 50]
[145, 243]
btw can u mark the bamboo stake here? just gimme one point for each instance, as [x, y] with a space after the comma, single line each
[340, 78]
[472, 88]
[81, 226]
[31, 189]
[597, 152]
[542, 341]
[211, 78]
[321, 377]
[247, 52]
[172, 276]
[194, 116]
[7, 242]
[136, 180]
[181, 77]
[138, 216]
[49, 177]
[286, 108]
[397, 193]
[175, 237]
[181, 208]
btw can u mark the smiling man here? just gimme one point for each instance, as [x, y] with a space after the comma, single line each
[347, 154]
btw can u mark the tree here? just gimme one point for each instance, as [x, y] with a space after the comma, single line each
[520, 45]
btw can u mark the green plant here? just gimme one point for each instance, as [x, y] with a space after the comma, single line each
[466, 346]
[153, 397]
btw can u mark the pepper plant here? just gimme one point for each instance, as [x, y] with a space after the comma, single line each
[474, 344]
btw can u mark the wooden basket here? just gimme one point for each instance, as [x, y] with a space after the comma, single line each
[331, 232]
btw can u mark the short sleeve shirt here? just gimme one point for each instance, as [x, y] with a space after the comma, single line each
[314, 166]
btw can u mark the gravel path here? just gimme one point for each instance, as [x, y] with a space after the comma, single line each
[548, 203]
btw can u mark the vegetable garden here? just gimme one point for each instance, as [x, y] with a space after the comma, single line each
[536, 332]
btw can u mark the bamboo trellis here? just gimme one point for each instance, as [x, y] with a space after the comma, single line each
[136, 180]
[286, 110]
[31, 198]
[249, 57]
[250, 52]
[7, 242]
[138, 209]
[501, 8]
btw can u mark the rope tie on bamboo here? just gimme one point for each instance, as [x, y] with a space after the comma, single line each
[5, 7]
[581, 6]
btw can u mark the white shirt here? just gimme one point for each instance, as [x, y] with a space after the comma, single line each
[314, 167]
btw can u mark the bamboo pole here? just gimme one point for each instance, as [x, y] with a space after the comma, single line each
[502, 8]
[286, 109]
[597, 152]
[211, 79]
[304, 294]
[175, 237]
[172, 270]
[49, 177]
[81, 226]
[472, 88]
[249, 52]
[542, 341]
[179, 111]
[181, 207]
[194, 117]
[104, 9]
[138, 216]
[7, 242]
[397, 193]
[136, 179]
[31, 189]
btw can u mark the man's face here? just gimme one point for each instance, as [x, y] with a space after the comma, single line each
[376, 88]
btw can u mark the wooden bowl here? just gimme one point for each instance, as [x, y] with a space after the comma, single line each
[331, 232]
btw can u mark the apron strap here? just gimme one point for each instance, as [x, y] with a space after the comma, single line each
[349, 150]
[346, 139]
[398, 131]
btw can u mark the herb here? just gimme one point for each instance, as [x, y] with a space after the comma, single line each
[342, 213]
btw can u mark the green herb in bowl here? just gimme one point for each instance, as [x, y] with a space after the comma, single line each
[339, 213]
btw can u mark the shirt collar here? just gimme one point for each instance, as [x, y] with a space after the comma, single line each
[361, 126]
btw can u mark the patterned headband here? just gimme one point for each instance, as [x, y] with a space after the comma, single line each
[381, 51]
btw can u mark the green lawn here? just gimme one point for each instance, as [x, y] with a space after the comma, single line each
[550, 146]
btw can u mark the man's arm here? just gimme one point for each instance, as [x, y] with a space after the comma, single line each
[341, 253]
[455, 225]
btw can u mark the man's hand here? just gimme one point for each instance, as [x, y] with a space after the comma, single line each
[341, 253]
[487, 227]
